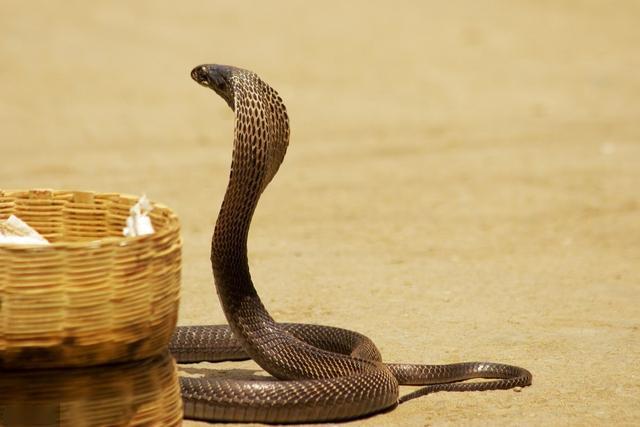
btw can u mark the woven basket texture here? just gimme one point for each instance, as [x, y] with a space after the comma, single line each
[92, 296]
[140, 393]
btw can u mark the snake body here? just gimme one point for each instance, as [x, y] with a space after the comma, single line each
[322, 373]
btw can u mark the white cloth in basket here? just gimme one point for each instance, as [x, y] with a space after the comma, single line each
[139, 223]
[15, 231]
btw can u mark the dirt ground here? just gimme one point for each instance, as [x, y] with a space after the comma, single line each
[462, 181]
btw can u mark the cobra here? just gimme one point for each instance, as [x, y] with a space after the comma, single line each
[321, 373]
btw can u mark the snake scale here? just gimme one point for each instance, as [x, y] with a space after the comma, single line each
[322, 373]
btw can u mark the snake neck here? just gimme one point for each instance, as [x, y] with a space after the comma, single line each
[261, 138]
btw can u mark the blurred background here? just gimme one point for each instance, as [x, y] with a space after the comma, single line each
[462, 181]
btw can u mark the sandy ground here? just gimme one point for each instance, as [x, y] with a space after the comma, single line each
[462, 181]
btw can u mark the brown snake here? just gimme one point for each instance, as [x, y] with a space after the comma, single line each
[323, 373]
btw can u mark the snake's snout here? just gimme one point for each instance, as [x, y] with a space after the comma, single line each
[200, 74]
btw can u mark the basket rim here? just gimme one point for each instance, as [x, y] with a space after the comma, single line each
[172, 224]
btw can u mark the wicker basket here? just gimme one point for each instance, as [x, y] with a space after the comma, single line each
[141, 393]
[92, 296]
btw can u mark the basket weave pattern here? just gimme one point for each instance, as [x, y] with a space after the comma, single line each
[140, 393]
[92, 296]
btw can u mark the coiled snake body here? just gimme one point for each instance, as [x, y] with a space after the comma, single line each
[323, 373]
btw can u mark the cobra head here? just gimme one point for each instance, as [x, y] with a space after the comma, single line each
[219, 78]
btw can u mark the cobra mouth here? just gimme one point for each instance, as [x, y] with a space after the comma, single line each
[201, 75]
